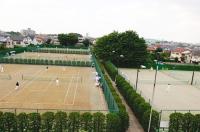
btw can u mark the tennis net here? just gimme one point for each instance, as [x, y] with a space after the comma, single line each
[52, 78]
[5, 76]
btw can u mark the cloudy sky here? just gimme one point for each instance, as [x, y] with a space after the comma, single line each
[177, 20]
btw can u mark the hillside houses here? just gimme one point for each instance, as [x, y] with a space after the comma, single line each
[182, 53]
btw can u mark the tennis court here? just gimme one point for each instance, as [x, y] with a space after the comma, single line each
[52, 56]
[39, 89]
[173, 89]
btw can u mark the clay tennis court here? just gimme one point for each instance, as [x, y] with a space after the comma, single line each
[52, 56]
[38, 89]
[180, 95]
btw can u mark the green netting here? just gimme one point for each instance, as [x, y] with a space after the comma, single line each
[63, 51]
[112, 105]
[45, 62]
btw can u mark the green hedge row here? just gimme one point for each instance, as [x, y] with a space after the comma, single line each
[136, 102]
[45, 62]
[59, 122]
[123, 115]
[184, 122]
[184, 67]
[122, 110]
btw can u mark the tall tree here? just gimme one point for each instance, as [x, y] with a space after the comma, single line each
[62, 39]
[72, 38]
[125, 49]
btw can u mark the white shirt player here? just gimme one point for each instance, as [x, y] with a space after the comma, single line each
[168, 87]
[2, 69]
[57, 82]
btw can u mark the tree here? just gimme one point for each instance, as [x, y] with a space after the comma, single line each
[62, 39]
[124, 49]
[48, 41]
[86, 42]
[72, 38]
[68, 39]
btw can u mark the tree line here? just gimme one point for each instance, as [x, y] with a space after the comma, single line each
[71, 39]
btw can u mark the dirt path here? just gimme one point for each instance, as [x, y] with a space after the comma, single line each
[134, 125]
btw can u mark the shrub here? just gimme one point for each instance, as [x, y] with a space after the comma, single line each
[74, 122]
[22, 122]
[60, 122]
[196, 123]
[9, 122]
[113, 123]
[34, 122]
[188, 119]
[86, 121]
[1, 122]
[154, 120]
[47, 121]
[98, 122]
[175, 122]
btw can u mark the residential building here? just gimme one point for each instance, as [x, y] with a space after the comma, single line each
[28, 32]
[183, 55]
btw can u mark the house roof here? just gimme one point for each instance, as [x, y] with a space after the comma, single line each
[17, 38]
[179, 50]
[151, 48]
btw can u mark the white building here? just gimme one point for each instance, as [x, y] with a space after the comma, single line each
[28, 32]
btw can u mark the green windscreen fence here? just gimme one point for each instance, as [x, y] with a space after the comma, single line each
[112, 105]
[45, 62]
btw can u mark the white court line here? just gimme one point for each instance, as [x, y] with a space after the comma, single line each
[46, 87]
[75, 91]
[68, 89]
[20, 90]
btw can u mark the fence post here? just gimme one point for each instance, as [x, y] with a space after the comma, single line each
[159, 120]
[15, 111]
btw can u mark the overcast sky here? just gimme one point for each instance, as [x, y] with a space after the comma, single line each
[177, 20]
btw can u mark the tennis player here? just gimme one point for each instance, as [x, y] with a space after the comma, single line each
[57, 81]
[17, 86]
[2, 69]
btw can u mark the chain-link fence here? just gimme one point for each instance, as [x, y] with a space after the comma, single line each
[112, 105]
[45, 62]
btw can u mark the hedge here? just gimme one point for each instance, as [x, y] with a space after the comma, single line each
[123, 115]
[122, 110]
[184, 122]
[136, 102]
[59, 122]
[184, 67]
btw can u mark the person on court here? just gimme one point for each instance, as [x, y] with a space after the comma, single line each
[57, 81]
[168, 87]
[17, 86]
[2, 69]
[47, 68]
